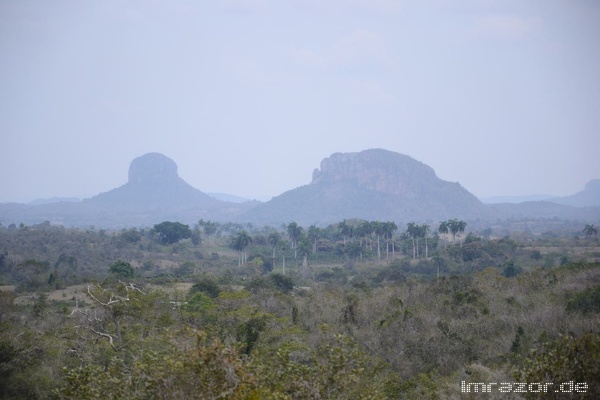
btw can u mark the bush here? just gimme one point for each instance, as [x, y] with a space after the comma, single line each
[567, 359]
[207, 285]
[586, 302]
[171, 232]
[511, 270]
[282, 283]
[213, 370]
[122, 269]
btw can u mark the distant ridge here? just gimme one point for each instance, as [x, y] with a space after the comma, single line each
[517, 199]
[583, 206]
[588, 197]
[51, 200]
[229, 197]
[373, 184]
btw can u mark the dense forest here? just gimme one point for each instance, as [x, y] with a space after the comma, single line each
[356, 310]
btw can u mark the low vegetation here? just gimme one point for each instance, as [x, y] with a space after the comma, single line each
[355, 310]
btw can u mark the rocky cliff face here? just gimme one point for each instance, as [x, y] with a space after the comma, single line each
[152, 167]
[380, 170]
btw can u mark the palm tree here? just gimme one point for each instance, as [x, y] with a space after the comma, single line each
[389, 229]
[209, 228]
[294, 232]
[313, 235]
[424, 230]
[462, 225]
[246, 240]
[456, 227]
[362, 231]
[354, 249]
[283, 246]
[412, 230]
[345, 230]
[379, 229]
[239, 242]
[590, 230]
[236, 244]
[273, 240]
[444, 229]
[304, 249]
[439, 262]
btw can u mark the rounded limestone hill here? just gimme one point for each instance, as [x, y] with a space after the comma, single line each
[154, 182]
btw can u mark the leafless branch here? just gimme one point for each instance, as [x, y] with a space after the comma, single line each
[106, 335]
[111, 301]
[131, 286]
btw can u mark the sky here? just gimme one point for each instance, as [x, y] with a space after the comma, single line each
[248, 96]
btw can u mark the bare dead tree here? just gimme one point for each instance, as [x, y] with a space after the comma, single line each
[110, 305]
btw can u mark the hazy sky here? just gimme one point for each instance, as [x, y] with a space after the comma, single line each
[248, 96]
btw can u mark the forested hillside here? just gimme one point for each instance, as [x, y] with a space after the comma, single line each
[359, 309]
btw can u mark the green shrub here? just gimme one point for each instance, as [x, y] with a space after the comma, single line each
[207, 285]
[567, 359]
[586, 302]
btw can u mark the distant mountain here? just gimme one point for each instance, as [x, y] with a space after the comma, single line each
[154, 183]
[588, 197]
[373, 184]
[517, 199]
[583, 206]
[544, 210]
[154, 193]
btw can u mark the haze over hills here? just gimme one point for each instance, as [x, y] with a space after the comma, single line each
[517, 199]
[373, 184]
[583, 206]
[588, 197]
[52, 200]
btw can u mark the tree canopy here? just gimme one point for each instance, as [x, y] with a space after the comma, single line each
[171, 232]
[122, 269]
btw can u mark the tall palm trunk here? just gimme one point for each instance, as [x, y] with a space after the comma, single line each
[387, 249]
[305, 265]
[417, 247]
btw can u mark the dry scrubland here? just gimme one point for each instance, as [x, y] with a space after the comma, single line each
[90, 314]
